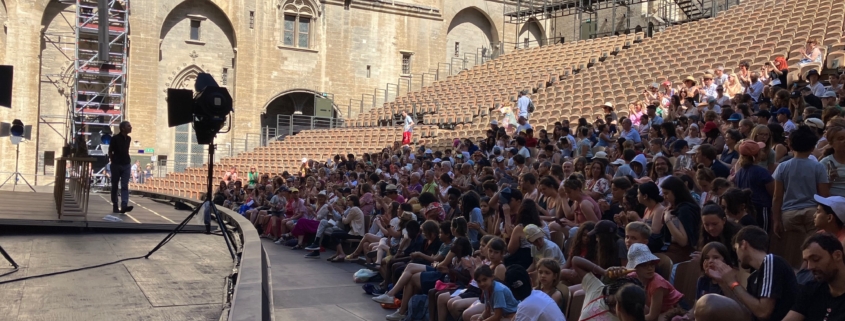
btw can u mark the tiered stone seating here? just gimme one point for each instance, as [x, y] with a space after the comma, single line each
[461, 106]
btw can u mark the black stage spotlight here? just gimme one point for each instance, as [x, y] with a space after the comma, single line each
[207, 108]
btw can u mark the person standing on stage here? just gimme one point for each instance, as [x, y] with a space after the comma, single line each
[408, 129]
[120, 167]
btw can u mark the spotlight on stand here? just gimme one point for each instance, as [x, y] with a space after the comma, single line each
[207, 108]
[17, 132]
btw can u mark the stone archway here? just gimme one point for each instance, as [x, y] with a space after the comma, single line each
[471, 29]
[186, 151]
[532, 34]
[291, 102]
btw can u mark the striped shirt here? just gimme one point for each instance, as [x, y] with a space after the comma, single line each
[774, 279]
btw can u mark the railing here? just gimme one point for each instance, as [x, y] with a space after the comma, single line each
[73, 183]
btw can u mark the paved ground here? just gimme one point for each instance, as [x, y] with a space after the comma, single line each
[182, 281]
[317, 290]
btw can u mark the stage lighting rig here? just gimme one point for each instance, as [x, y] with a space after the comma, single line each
[207, 108]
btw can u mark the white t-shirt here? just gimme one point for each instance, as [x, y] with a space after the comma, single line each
[538, 306]
[549, 251]
[522, 104]
[818, 89]
[408, 122]
[723, 101]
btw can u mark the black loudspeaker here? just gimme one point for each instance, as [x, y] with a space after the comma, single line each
[180, 106]
[6, 75]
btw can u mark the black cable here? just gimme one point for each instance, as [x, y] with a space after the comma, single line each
[67, 271]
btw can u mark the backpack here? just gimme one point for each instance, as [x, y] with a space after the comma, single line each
[530, 106]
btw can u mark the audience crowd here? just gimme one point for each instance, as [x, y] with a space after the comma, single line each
[732, 174]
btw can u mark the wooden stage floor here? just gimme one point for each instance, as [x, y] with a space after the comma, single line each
[39, 209]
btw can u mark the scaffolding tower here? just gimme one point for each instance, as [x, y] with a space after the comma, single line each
[662, 13]
[99, 86]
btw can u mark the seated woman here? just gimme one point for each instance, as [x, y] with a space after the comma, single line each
[682, 222]
[384, 226]
[600, 299]
[715, 227]
[424, 255]
[518, 246]
[353, 218]
[467, 300]
[417, 278]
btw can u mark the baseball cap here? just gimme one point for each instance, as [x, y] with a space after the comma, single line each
[709, 126]
[829, 94]
[735, 117]
[784, 111]
[294, 190]
[618, 162]
[346, 190]
[693, 150]
[514, 151]
[814, 122]
[500, 159]
[763, 113]
[765, 100]
[600, 155]
[750, 147]
[711, 100]
[505, 195]
[390, 187]
[428, 151]
[678, 145]
[518, 281]
[604, 227]
[494, 122]
[795, 94]
[837, 203]
[532, 232]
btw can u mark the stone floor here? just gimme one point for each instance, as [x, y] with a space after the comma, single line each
[184, 280]
[317, 290]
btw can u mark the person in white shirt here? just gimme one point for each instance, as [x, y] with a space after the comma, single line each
[522, 104]
[534, 304]
[756, 87]
[408, 128]
[721, 77]
[783, 119]
[709, 87]
[814, 85]
[721, 98]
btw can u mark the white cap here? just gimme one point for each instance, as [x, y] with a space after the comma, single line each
[693, 150]
[494, 122]
[600, 154]
[436, 160]
[618, 162]
[428, 151]
[837, 203]
[304, 159]
[608, 104]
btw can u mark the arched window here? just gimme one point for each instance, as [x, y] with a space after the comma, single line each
[298, 17]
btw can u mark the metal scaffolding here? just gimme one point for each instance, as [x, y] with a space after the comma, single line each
[662, 13]
[99, 86]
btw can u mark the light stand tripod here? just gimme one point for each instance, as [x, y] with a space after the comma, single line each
[11, 261]
[17, 174]
[210, 209]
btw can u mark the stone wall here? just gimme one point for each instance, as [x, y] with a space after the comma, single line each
[246, 38]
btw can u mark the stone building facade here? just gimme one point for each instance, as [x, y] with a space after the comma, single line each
[264, 51]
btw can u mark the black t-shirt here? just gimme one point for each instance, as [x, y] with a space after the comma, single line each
[119, 149]
[612, 210]
[775, 279]
[815, 303]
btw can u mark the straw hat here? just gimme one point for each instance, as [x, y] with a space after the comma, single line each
[690, 78]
